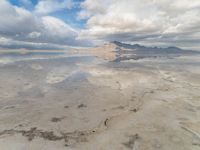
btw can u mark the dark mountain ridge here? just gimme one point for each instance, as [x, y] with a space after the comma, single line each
[137, 51]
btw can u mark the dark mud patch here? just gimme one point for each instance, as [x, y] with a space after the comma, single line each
[106, 122]
[57, 119]
[33, 132]
[66, 106]
[20, 125]
[70, 138]
[9, 107]
[119, 107]
[134, 110]
[82, 106]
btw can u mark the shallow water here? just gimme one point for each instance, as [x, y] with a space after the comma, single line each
[9, 57]
[60, 101]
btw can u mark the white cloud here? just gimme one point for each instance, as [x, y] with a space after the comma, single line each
[159, 21]
[48, 6]
[15, 20]
[34, 35]
[56, 31]
[8, 43]
[163, 22]
[18, 24]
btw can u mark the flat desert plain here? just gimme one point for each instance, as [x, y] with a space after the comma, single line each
[89, 101]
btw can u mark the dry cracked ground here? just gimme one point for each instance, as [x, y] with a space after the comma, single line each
[87, 103]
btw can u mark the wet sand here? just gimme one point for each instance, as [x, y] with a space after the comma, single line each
[88, 102]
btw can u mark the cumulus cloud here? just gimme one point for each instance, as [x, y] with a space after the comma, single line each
[151, 21]
[7, 43]
[19, 25]
[15, 20]
[48, 6]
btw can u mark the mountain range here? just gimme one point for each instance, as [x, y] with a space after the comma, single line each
[128, 51]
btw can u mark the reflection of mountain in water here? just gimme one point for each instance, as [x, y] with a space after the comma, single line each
[136, 51]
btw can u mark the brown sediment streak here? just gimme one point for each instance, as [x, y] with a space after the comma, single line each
[76, 136]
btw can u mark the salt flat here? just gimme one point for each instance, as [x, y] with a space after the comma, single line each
[93, 102]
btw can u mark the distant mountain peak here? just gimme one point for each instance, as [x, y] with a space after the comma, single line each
[138, 46]
[125, 45]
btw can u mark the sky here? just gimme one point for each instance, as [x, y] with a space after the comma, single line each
[59, 24]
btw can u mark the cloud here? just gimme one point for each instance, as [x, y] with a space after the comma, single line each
[7, 43]
[20, 25]
[49, 6]
[15, 20]
[154, 21]
[34, 35]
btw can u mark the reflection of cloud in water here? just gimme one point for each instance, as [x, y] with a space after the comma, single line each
[6, 61]
[115, 79]
[59, 75]
[101, 72]
[7, 57]
[36, 67]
